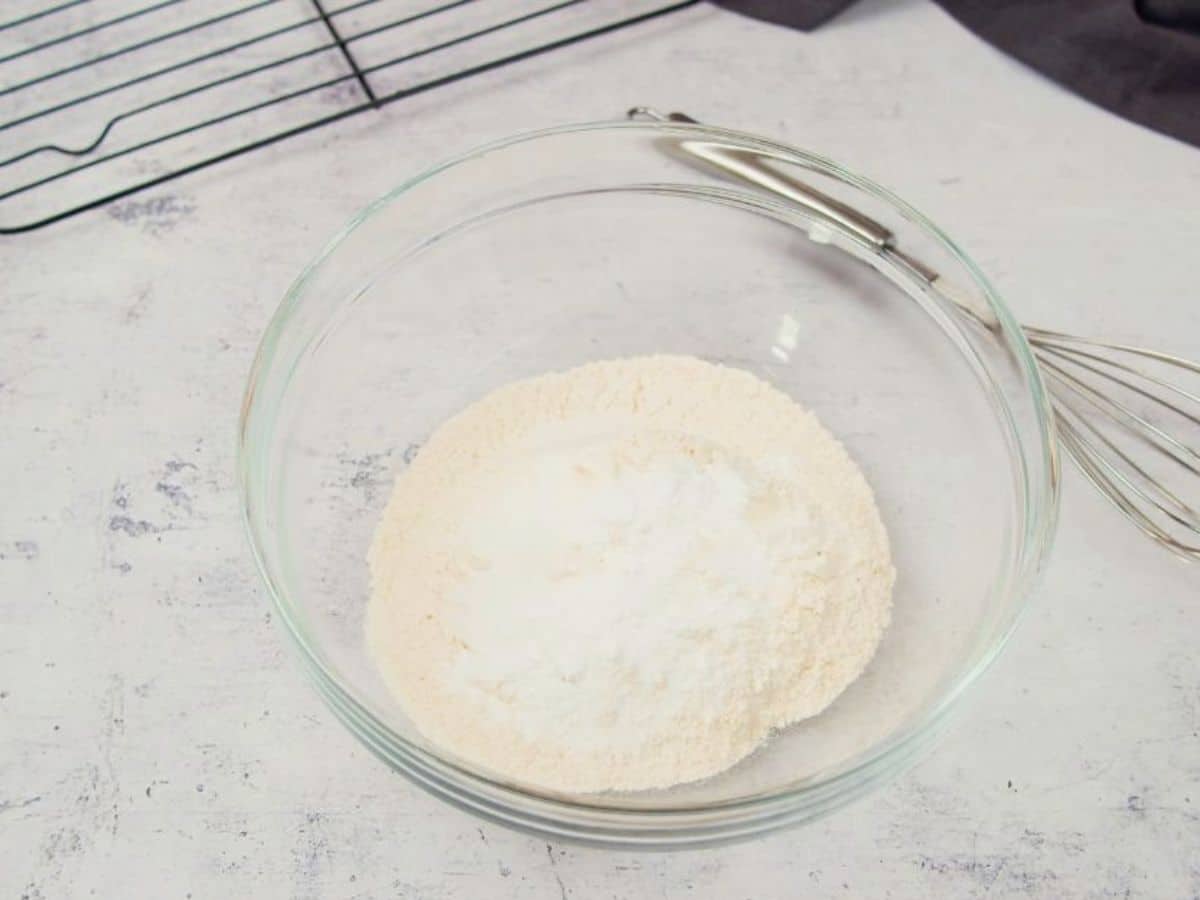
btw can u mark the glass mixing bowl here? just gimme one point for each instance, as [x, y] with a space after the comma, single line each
[548, 250]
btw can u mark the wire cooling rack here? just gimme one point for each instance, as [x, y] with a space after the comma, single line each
[100, 99]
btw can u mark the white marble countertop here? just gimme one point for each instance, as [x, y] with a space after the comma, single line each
[157, 740]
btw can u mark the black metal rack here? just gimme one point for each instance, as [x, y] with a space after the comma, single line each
[100, 99]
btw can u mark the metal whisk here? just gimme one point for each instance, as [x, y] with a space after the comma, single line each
[1108, 407]
[1116, 412]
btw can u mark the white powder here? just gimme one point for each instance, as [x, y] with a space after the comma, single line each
[625, 576]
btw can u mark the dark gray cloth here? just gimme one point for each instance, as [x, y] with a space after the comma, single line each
[1138, 58]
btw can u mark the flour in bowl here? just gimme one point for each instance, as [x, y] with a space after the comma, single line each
[626, 575]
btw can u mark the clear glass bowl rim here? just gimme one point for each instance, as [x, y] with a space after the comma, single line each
[686, 825]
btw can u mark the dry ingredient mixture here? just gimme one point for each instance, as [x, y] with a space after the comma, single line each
[626, 575]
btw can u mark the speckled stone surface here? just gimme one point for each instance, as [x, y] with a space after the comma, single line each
[157, 740]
